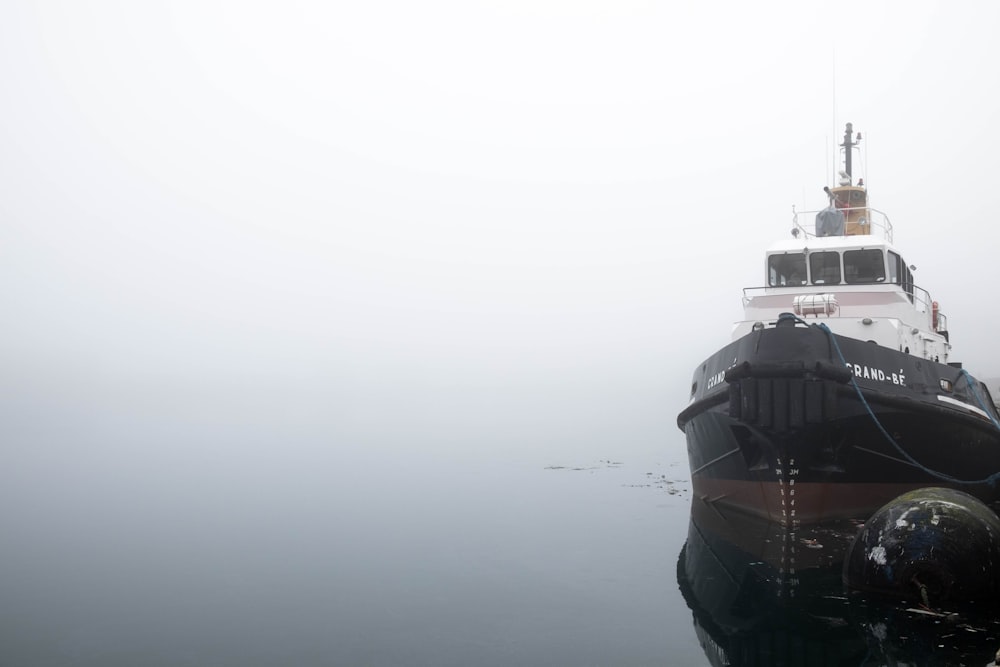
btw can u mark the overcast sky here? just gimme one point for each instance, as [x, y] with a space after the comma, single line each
[521, 222]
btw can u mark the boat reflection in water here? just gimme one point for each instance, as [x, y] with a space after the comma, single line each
[765, 594]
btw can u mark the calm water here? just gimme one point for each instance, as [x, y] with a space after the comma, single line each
[239, 556]
[314, 558]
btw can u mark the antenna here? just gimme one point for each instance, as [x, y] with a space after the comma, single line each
[833, 72]
[826, 147]
[865, 154]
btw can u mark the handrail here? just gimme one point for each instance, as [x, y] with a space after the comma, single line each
[877, 220]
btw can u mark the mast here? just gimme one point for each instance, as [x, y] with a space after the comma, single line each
[851, 199]
[848, 145]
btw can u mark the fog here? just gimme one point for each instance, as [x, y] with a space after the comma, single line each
[271, 266]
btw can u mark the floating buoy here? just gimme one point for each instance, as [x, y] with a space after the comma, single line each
[931, 546]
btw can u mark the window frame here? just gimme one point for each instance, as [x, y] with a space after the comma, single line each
[816, 254]
[895, 264]
[780, 268]
[861, 253]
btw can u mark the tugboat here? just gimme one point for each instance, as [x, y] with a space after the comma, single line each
[838, 391]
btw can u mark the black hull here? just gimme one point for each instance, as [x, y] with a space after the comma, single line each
[797, 425]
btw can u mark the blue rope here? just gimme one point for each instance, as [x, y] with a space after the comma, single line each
[991, 480]
[975, 392]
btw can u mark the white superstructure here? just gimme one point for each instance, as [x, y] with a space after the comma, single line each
[851, 278]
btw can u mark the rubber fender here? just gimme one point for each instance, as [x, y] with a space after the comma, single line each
[931, 545]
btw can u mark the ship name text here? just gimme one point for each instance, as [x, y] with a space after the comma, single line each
[715, 380]
[872, 373]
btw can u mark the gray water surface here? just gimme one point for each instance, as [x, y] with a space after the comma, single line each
[261, 552]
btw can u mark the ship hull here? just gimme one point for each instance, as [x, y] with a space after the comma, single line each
[797, 425]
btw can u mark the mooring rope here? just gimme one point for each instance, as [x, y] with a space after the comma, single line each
[975, 392]
[992, 479]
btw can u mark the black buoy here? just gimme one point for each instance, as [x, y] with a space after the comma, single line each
[931, 546]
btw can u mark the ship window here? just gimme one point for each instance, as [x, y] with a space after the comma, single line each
[787, 269]
[894, 263]
[824, 268]
[907, 281]
[864, 266]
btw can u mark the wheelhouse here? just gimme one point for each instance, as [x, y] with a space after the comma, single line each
[828, 266]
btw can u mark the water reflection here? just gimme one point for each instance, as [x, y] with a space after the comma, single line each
[766, 594]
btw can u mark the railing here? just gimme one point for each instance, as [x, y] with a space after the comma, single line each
[877, 221]
[922, 300]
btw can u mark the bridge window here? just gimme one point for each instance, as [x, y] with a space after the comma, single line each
[864, 266]
[908, 281]
[894, 265]
[824, 268]
[899, 274]
[786, 270]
